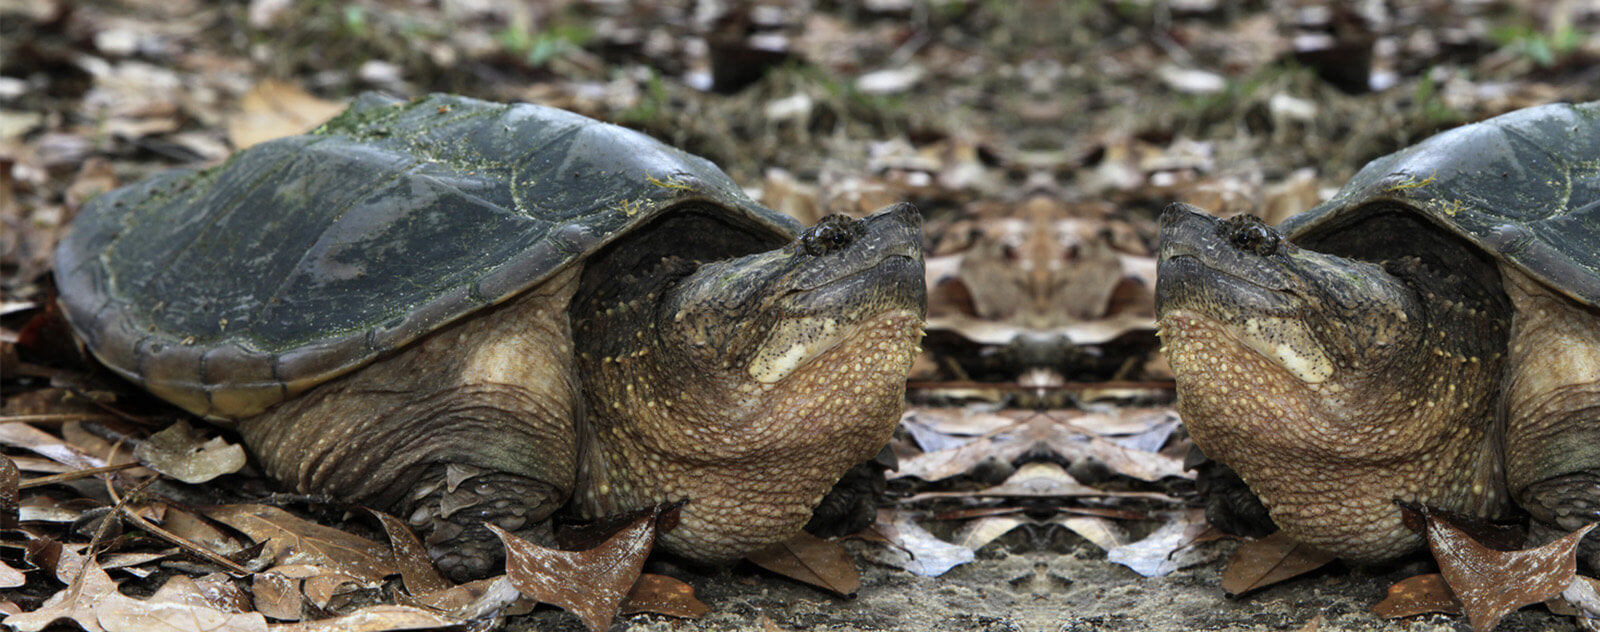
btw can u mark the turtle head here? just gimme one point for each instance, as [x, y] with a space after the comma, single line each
[757, 382]
[764, 317]
[1317, 318]
[1332, 385]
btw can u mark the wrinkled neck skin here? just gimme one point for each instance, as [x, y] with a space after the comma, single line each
[1333, 386]
[746, 386]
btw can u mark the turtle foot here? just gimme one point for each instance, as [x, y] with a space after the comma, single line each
[455, 502]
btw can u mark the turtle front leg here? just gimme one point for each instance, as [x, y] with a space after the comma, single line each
[1552, 440]
[474, 423]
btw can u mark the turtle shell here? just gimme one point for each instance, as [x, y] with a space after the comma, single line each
[1524, 187]
[230, 289]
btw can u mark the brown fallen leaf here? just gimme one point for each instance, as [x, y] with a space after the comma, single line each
[379, 618]
[183, 453]
[1421, 594]
[1491, 583]
[274, 109]
[813, 560]
[291, 540]
[416, 568]
[590, 583]
[93, 602]
[1269, 560]
[660, 594]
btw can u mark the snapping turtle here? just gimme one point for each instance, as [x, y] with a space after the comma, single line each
[466, 312]
[1430, 334]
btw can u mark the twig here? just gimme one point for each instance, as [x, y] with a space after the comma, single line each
[55, 418]
[178, 540]
[75, 475]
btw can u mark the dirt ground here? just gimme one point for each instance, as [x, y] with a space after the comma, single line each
[973, 110]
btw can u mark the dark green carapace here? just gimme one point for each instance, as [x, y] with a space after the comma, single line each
[305, 257]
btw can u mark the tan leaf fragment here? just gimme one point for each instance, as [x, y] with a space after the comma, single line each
[1491, 583]
[274, 109]
[277, 596]
[812, 560]
[291, 540]
[11, 577]
[416, 567]
[379, 618]
[1417, 595]
[590, 583]
[663, 595]
[93, 602]
[183, 453]
[1260, 563]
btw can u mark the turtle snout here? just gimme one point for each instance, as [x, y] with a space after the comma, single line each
[1249, 234]
[831, 234]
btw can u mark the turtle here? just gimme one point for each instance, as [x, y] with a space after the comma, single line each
[1430, 334]
[469, 312]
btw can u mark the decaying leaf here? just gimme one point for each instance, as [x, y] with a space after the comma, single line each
[813, 560]
[92, 601]
[416, 568]
[660, 594]
[274, 109]
[1260, 563]
[183, 453]
[590, 583]
[379, 618]
[291, 540]
[1421, 594]
[1491, 583]
[1166, 550]
[912, 548]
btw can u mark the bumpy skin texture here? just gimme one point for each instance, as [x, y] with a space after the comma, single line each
[1334, 386]
[1429, 335]
[753, 384]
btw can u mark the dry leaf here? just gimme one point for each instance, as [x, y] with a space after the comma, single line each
[1421, 594]
[379, 618]
[416, 567]
[93, 602]
[813, 560]
[1491, 583]
[274, 109]
[912, 548]
[291, 540]
[590, 583]
[1269, 560]
[660, 594]
[183, 453]
[47, 445]
[197, 531]
[1166, 550]
[277, 596]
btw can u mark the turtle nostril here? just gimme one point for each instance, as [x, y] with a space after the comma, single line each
[830, 234]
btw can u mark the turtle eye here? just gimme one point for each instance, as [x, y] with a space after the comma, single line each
[1250, 234]
[831, 234]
